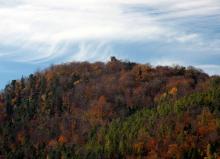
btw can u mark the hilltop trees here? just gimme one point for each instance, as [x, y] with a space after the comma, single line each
[117, 109]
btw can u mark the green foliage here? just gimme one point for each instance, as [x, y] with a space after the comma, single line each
[121, 135]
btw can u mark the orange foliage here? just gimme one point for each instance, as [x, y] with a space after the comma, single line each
[141, 71]
[49, 75]
[2, 114]
[100, 107]
[21, 137]
[173, 91]
[173, 151]
[52, 143]
[101, 111]
[13, 147]
[206, 123]
[202, 130]
[152, 155]
[62, 139]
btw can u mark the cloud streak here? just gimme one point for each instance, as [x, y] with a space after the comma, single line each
[43, 28]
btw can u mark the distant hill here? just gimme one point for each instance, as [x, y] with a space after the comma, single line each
[117, 109]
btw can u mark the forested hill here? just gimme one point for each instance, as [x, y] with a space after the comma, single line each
[111, 110]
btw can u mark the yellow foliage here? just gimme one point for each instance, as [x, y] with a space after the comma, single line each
[138, 147]
[76, 82]
[164, 95]
[43, 97]
[2, 106]
[160, 97]
[14, 100]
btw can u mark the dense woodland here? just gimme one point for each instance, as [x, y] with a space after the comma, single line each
[112, 110]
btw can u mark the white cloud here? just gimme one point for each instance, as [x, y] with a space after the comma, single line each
[92, 52]
[186, 38]
[44, 25]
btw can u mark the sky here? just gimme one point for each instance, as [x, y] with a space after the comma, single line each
[37, 33]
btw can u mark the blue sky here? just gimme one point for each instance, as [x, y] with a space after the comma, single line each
[37, 33]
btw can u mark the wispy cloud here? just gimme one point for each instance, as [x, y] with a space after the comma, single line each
[92, 52]
[43, 29]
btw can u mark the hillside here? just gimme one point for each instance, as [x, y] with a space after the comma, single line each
[117, 109]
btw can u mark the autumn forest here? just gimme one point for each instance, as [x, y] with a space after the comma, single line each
[113, 110]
